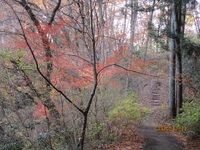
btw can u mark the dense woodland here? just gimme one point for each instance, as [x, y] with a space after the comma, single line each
[78, 74]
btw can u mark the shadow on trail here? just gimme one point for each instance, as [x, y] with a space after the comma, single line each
[155, 140]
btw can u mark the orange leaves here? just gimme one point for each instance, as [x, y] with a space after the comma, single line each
[70, 73]
[40, 111]
[37, 2]
[116, 58]
[141, 64]
[61, 62]
[21, 45]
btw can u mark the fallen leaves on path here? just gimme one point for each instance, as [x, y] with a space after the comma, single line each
[190, 142]
[129, 140]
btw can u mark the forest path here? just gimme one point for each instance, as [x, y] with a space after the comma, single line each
[155, 140]
[156, 100]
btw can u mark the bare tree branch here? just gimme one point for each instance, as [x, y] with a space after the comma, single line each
[125, 69]
[80, 58]
[54, 12]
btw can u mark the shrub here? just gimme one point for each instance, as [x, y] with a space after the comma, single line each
[129, 110]
[190, 117]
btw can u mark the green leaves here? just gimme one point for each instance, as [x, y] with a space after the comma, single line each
[190, 117]
[129, 109]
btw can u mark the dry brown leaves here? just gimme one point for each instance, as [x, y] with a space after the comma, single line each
[129, 140]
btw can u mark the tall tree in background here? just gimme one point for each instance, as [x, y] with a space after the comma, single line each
[149, 26]
[134, 14]
[175, 72]
[181, 13]
[101, 12]
[172, 99]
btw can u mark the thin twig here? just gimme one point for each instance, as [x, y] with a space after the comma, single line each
[110, 65]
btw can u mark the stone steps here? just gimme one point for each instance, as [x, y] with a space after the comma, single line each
[155, 95]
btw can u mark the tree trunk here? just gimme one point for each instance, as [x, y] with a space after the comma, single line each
[171, 96]
[149, 27]
[48, 103]
[179, 82]
[101, 31]
[125, 20]
[181, 13]
[134, 13]
[95, 75]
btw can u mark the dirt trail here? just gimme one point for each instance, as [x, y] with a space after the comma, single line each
[155, 140]
[154, 97]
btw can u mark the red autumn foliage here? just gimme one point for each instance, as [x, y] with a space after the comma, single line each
[40, 111]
